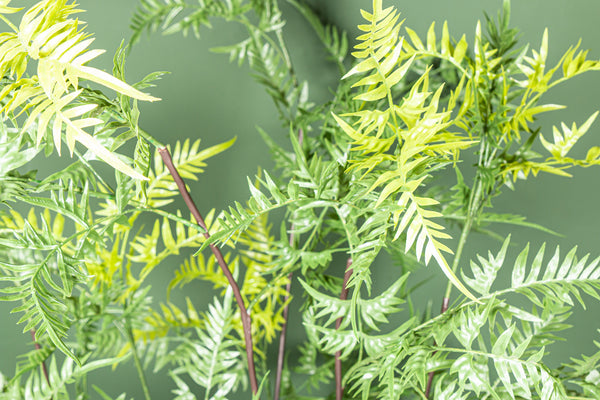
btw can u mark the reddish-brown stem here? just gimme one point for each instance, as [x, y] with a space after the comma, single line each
[445, 304]
[245, 316]
[281, 352]
[288, 288]
[38, 347]
[339, 390]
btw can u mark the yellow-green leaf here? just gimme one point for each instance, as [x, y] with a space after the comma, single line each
[460, 50]
[372, 95]
[105, 79]
[95, 147]
[415, 39]
[446, 47]
[431, 39]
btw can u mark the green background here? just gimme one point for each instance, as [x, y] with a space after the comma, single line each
[207, 97]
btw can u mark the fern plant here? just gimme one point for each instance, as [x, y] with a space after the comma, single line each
[79, 246]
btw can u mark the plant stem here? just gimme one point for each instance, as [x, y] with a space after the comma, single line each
[445, 303]
[339, 390]
[472, 211]
[151, 139]
[136, 360]
[281, 351]
[244, 315]
[38, 347]
[10, 24]
[288, 288]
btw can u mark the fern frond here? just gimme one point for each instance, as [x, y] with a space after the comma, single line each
[59, 376]
[550, 279]
[11, 154]
[585, 365]
[485, 273]
[423, 233]
[266, 296]
[395, 142]
[64, 203]
[559, 280]
[49, 36]
[584, 373]
[213, 361]
[33, 359]
[76, 174]
[565, 141]
[238, 218]
[372, 311]
[146, 250]
[198, 268]
[13, 187]
[509, 366]
[183, 391]
[42, 299]
[526, 373]
[151, 14]
[158, 326]
[307, 365]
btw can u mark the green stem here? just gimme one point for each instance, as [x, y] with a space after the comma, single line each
[151, 139]
[472, 211]
[10, 24]
[136, 360]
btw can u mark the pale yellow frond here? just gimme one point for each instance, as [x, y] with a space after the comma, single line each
[424, 235]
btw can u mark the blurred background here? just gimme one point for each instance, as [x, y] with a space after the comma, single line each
[207, 97]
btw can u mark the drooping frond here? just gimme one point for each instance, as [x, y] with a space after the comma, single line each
[393, 142]
[43, 278]
[49, 37]
[59, 376]
[40, 295]
[13, 156]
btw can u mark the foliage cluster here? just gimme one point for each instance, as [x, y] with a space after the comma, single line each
[356, 180]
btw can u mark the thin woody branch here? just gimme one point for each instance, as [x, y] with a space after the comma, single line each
[38, 347]
[245, 316]
[445, 304]
[288, 288]
[339, 390]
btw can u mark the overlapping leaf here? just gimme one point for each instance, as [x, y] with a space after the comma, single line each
[393, 142]
[48, 36]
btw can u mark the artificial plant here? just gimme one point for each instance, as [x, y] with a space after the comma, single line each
[356, 179]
